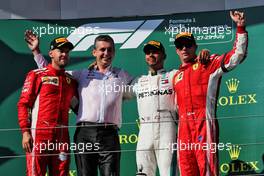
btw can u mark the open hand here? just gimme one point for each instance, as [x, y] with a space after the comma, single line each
[27, 142]
[32, 40]
[203, 56]
[238, 17]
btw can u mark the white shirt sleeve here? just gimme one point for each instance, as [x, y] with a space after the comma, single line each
[40, 60]
[76, 74]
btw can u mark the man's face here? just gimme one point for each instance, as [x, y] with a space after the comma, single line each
[154, 58]
[186, 51]
[60, 56]
[104, 53]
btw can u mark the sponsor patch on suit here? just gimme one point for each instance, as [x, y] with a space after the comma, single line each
[178, 77]
[54, 80]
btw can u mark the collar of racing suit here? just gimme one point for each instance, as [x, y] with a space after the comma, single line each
[157, 72]
[186, 65]
[56, 72]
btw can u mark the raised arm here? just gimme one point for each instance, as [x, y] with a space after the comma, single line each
[33, 44]
[238, 18]
[231, 59]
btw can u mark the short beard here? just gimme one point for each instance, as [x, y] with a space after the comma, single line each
[62, 65]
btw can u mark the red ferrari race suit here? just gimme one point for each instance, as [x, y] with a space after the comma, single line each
[196, 88]
[43, 109]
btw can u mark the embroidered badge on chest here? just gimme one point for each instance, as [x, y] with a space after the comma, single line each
[178, 77]
[195, 66]
[164, 79]
[68, 80]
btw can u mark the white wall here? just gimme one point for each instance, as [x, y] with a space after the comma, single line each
[70, 9]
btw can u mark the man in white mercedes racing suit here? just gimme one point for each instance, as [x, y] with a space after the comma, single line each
[157, 113]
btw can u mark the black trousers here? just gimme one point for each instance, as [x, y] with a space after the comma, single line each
[97, 147]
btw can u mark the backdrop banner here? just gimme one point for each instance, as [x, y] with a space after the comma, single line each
[239, 106]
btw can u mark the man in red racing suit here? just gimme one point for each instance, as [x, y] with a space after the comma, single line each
[43, 110]
[196, 87]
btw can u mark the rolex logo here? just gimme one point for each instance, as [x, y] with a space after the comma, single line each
[232, 85]
[234, 152]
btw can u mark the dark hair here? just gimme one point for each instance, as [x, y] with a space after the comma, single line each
[105, 38]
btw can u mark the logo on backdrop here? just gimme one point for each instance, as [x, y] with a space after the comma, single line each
[236, 98]
[209, 33]
[129, 33]
[234, 152]
[236, 166]
[131, 138]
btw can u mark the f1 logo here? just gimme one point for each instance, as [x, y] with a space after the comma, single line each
[130, 33]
